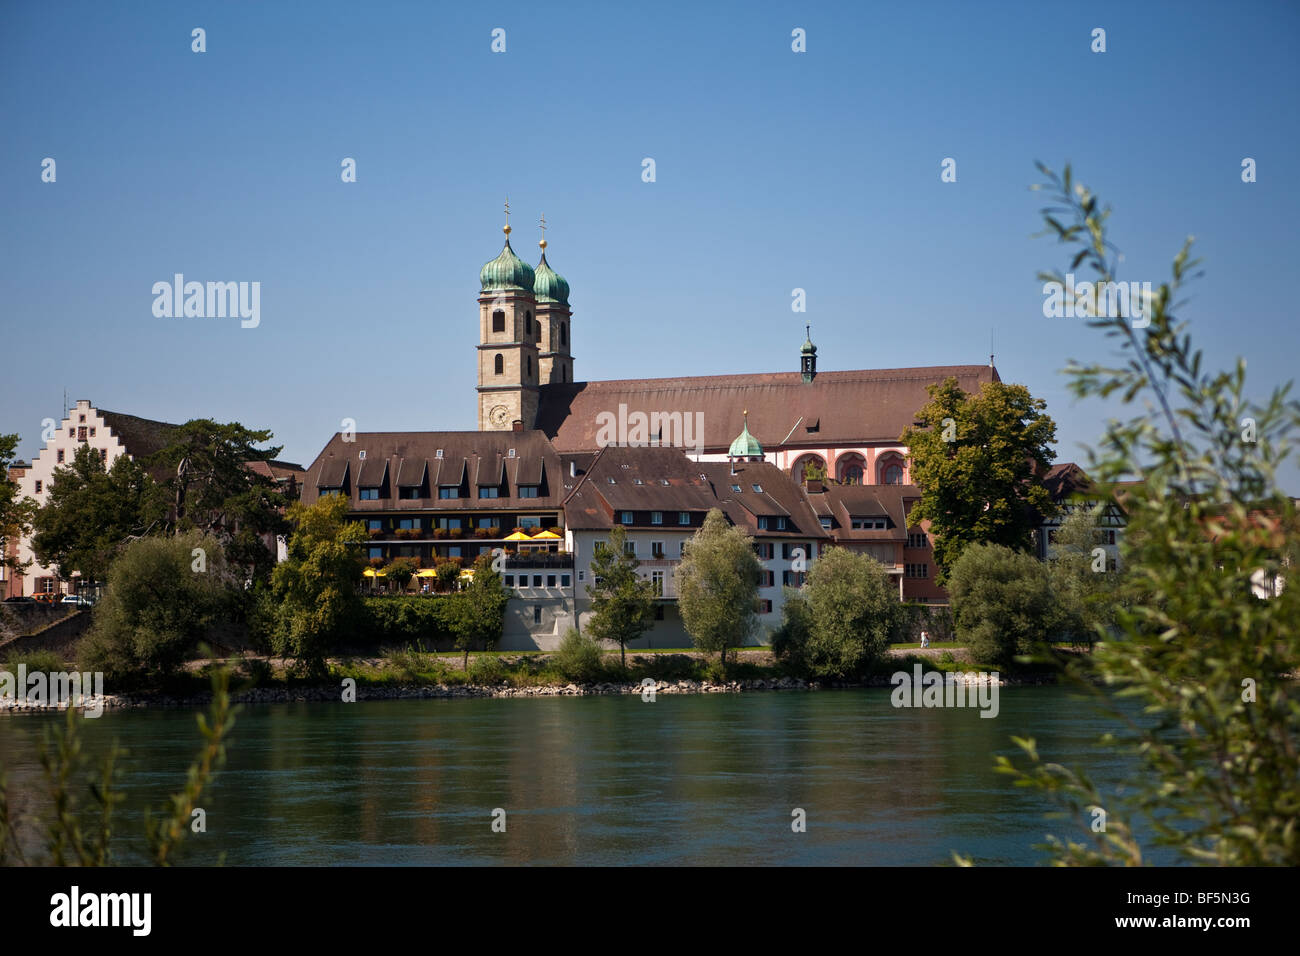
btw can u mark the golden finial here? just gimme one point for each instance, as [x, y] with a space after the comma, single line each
[543, 225]
[506, 228]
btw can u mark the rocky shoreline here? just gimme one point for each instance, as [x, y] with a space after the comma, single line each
[323, 693]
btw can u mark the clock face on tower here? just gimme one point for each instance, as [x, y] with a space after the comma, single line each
[499, 415]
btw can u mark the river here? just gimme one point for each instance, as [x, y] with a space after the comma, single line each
[685, 779]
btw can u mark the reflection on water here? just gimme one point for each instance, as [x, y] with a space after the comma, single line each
[603, 780]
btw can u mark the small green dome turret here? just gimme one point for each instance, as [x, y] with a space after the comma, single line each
[506, 271]
[745, 445]
[549, 286]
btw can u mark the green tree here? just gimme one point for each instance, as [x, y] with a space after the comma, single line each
[1002, 603]
[400, 571]
[16, 513]
[717, 586]
[211, 488]
[448, 573]
[622, 602]
[478, 615]
[163, 596]
[1085, 584]
[977, 459]
[841, 621]
[315, 589]
[90, 514]
[1206, 659]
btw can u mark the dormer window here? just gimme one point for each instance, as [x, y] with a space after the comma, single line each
[361, 453]
[736, 488]
[489, 491]
[438, 453]
[368, 494]
[510, 453]
[625, 517]
[757, 488]
[527, 491]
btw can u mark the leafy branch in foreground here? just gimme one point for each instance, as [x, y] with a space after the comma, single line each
[62, 829]
[1208, 660]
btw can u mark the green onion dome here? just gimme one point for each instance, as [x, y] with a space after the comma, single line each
[745, 445]
[506, 271]
[549, 286]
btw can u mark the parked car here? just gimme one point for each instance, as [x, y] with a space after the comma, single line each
[78, 599]
[47, 597]
[20, 599]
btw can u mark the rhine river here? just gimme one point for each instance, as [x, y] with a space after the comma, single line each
[686, 779]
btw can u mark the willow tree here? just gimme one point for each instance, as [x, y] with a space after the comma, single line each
[1203, 653]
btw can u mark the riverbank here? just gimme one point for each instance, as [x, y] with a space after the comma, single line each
[260, 681]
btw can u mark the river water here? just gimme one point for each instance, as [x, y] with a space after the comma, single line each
[686, 779]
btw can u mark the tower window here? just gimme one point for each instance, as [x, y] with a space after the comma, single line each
[528, 323]
[564, 334]
[499, 365]
[498, 321]
[529, 360]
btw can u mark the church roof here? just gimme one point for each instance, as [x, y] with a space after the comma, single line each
[835, 408]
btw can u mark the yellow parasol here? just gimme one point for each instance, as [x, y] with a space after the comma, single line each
[518, 536]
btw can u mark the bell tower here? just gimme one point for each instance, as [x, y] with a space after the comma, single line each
[551, 292]
[509, 333]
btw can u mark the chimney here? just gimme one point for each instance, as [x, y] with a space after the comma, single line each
[573, 468]
[517, 425]
[815, 486]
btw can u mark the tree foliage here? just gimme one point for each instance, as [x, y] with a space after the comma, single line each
[1002, 603]
[1085, 585]
[622, 602]
[977, 459]
[1206, 658]
[478, 612]
[16, 513]
[839, 625]
[717, 586]
[212, 489]
[91, 514]
[315, 589]
[163, 596]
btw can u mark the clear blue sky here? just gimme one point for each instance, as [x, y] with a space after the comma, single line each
[775, 170]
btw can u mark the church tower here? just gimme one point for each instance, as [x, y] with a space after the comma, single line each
[509, 370]
[808, 357]
[553, 315]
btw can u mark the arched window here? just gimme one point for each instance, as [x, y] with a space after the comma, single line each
[498, 321]
[889, 470]
[850, 469]
[564, 373]
[805, 464]
[530, 366]
[528, 323]
[564, 334]
[500, 365]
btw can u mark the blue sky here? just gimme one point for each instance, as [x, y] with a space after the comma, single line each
[775, 170]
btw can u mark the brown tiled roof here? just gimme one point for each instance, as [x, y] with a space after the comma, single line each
[853, 406]
[639, 485]
[846, 502]
[780, 496]
[141, 437]
[482, 456]
[1064, 479]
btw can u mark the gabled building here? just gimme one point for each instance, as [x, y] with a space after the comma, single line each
[108, 434]
[1072, 489]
